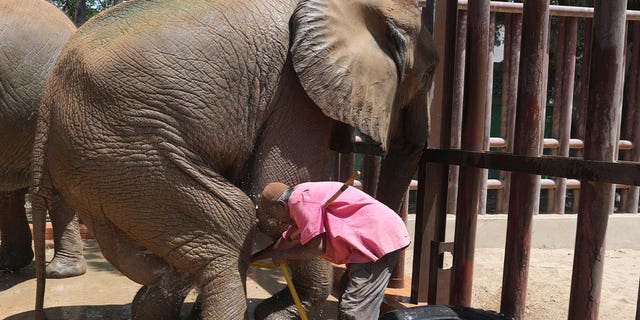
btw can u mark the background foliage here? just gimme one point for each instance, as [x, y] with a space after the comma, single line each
[81, 10]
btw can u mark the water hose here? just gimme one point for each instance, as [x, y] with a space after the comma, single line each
[292, 288]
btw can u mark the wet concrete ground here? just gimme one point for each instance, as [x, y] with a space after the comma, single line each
[104, 293]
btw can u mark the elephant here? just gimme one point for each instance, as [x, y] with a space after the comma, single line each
[32, 34]
[163, 120]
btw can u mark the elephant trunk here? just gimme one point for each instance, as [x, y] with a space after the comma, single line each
[396, 171]
[407, 141]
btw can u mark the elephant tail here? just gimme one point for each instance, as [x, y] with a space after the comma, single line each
[39, 196]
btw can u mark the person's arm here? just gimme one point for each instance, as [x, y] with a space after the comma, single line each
[312, 249]
[266, 253]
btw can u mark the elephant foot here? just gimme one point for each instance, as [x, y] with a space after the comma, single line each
[162, 300]
[147, 304]
[290, 312]
[15, 260]
[279, 306]
[64, 267]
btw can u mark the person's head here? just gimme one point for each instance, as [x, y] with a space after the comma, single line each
[273, 209]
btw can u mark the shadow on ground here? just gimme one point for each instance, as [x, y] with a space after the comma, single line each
[113, 312]
[9, 279]
[104, 293]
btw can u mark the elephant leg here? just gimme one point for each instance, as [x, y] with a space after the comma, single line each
[220, 226]
[182, 220]
[224, 293]
[163, 299]
[15, 242]
[312, 279]
[133, 260]
[68, 260]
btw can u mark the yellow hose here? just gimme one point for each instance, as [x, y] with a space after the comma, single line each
[292, 288]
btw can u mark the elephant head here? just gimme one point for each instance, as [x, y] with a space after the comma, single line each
[369, 64]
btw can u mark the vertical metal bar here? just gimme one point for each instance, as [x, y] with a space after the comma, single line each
[583, 99]
[557, 105]
[601, 141]
[397, 277]
[431, 201]
[565, 71]
[456, 107]
[513, 36]
[370, 173]
[583, 96]
[524, 196]
[472, 139]
[347, 161]
[482, 207]
[630, 197]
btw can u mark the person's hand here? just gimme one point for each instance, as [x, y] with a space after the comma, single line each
[256, 257]
[278, 258]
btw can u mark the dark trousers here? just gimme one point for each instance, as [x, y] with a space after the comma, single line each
[365, 286]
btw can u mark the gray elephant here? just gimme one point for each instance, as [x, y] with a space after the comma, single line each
[32, 34]
[163, 119]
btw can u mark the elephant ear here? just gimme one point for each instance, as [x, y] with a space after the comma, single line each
[347, 56]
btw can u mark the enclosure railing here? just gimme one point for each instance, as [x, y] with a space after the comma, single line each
[461, 118]
[560, 142]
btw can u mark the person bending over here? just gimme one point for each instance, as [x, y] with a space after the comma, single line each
[355, 229]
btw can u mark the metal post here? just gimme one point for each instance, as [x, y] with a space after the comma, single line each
[513, 36]
[632, 132]
[602, 129]
[472, 139]
[583, 96]
[524, 195]
[370, 171]
[565, 72]
[456, 107]
[482, 207]
[433, 177]
[397, 277]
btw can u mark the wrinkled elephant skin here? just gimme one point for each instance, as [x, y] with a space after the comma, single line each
[164, 119]
[32, 34]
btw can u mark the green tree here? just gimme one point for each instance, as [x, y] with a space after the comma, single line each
[81, 10]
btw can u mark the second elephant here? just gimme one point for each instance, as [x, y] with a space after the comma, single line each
[32, 34]
[164, 119]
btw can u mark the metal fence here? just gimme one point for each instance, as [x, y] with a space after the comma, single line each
[594, 123]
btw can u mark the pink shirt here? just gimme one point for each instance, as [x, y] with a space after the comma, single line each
[357, 227]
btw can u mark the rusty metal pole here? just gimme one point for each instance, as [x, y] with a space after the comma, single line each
[347, 160]
[397, 277]
[482, 207]
[630, 197]
[565, 73]
[456, 107]
[552, 195]
[370, 171]
[583, 96]
[433, 177]
[513, 36]
[601, 143]
[472, 139]
[525, 195]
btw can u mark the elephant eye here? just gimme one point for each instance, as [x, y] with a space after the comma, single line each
[429, 74]
[426, 79]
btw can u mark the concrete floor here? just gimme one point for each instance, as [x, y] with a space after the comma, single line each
[104, 293]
